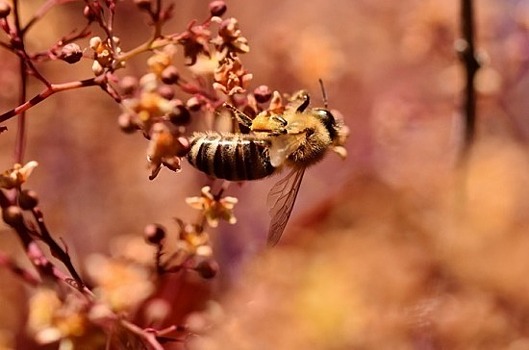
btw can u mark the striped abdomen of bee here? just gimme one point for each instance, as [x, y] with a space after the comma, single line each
[234, 157]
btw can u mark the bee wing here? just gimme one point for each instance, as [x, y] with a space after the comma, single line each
[281, 201]
[283, 146]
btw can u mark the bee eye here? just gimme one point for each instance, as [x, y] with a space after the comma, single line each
[327, 119]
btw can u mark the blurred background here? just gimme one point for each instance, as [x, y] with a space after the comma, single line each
[395, 247]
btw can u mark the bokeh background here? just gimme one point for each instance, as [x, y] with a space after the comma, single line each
[399, 246]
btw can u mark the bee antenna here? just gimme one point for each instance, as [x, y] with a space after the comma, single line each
[323, 93]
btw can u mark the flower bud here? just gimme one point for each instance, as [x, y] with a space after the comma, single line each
[170, 75]
[262, 94]
[126, 124]
[154, 233]
[128, 85]
[166, 92]
[193, 104]
[180, 115]
[143, 4]
[28, 199]
[12, 215]
[217, 8]
[71, 53]
[5, 9]
[207, 268]
[89, 14]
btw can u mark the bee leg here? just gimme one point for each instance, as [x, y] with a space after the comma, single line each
[241, 118]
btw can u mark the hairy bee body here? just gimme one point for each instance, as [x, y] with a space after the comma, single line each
[296, 138]
[234, 157]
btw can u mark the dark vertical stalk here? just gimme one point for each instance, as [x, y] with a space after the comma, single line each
[20, 141]
[466, 50]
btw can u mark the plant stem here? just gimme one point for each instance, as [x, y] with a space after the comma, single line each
[466, 50]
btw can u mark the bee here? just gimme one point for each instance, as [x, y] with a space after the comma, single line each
[296, 139]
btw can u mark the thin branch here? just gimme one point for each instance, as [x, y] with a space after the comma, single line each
[41, 12]
[52, 89]
[20, 141]
[149, 337]
[56, 250]
[26, 275]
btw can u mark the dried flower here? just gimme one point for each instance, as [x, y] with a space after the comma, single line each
[165, 148]
[161, 60]
[51, 319]
[231, 77]
[17, 175]
[213, 208]
[230, 38]
[119, 284]
[195, 43]
[105, 53]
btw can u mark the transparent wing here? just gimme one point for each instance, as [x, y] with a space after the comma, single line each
[281, 201]
[283, 146]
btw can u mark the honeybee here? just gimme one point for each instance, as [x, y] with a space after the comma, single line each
[296, 139]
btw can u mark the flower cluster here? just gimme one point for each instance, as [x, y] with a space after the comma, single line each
[214, 208]
[105, 52]
[17, 175]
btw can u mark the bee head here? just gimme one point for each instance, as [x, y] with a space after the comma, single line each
[327, 119]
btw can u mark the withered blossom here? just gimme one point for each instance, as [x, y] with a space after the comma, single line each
[214, 208]
[165, 148]
[52, 319]
[17, 175]
[193, 240]
[161, 59]
[195, 42]
[105, 53]
[230, 38]
[120, 284]
[231, 77]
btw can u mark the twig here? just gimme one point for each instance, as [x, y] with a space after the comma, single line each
[52, 89]
[466, 50]
[26, 275]
[20, 141]
[41, 12]
[149, 337]
[56, 249]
